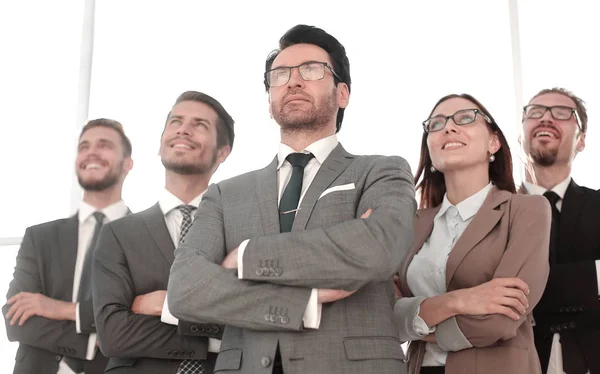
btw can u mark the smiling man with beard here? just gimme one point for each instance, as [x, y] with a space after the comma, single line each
[134, 254]
[567, 318]
[297, 259]
[49, 308]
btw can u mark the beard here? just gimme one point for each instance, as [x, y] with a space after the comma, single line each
[543, 157]
[190, 168]
[109, 180]
[314, 118]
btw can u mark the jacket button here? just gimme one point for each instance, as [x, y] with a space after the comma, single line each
[201, 328]
[561, 309]
[58, 357]
[267, 318]
[93, 325]
[259, 272]
[191, 352]
[277, 272]
[572, 324]
[215, 329]
[169, 353]
[553, 329]
[285, 320]
[265, 361]
[194, 328]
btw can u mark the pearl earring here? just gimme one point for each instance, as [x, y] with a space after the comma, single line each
[492, 158]
[432, 169]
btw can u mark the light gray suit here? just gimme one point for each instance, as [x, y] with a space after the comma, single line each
[327, 248]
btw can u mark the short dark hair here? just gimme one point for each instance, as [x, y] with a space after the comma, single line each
[303, 34]
[579, 103]
[225, 133]
[432, 185]
[110, 124]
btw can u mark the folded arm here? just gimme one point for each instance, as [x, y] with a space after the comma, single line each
[122, 333]
[352, 253]
[57, 336]
[200, 290]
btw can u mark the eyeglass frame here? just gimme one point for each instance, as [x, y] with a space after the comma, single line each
[289, 68]
[549, 108]
[446, 118]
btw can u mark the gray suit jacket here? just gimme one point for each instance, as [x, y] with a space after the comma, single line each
[46, 265]
[327, 248]
[133, 257]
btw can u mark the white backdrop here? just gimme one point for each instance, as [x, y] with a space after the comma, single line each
[404, 56]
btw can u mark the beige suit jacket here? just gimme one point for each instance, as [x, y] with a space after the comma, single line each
[508, 237]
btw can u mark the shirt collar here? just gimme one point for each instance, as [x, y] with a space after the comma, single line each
[468, 207]
[112, 212]
[320, 149]
[560, 189]
[168, 201]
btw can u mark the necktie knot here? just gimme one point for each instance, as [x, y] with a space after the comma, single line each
[186, 210]
[299, 159]
[99, 216]
[552, 197]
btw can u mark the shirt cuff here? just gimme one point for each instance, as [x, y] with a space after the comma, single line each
[312, 314]
[77, 322]
[214, 345]
[598, 275]
[91, 347]
[166, 316]
[420, 326]
[449, 336]
[241, 250]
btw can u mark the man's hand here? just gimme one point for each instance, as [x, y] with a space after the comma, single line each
[328, 296]
[231, 261]
[150, 304]
[26, 304]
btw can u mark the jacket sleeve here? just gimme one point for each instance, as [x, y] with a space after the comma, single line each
[59, 337]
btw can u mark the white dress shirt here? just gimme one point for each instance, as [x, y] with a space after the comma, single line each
[555, 365]
[426, 274]
[87, 224]
[321, 150]
[173, 217]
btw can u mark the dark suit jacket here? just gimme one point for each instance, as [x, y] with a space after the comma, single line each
[508, 237]
[329, 247]
[570, 304]
[133, 257]
[46, 265]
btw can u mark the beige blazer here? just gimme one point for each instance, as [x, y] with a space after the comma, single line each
[508, 237]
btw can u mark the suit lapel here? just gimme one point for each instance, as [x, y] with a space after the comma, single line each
[484, 221]
[423, 227]
[266, 190]
[155, 222]
[68, 240]
[337, 161]
[569, 216]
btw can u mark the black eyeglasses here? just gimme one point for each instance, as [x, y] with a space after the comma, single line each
[559, 112]
[309, 71]
[460, 118]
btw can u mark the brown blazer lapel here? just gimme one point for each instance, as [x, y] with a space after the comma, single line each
[484, 221]
[423, 227]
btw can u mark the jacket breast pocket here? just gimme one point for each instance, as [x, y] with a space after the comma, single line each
[335, 207]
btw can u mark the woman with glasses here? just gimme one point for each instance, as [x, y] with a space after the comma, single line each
[479, 259]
